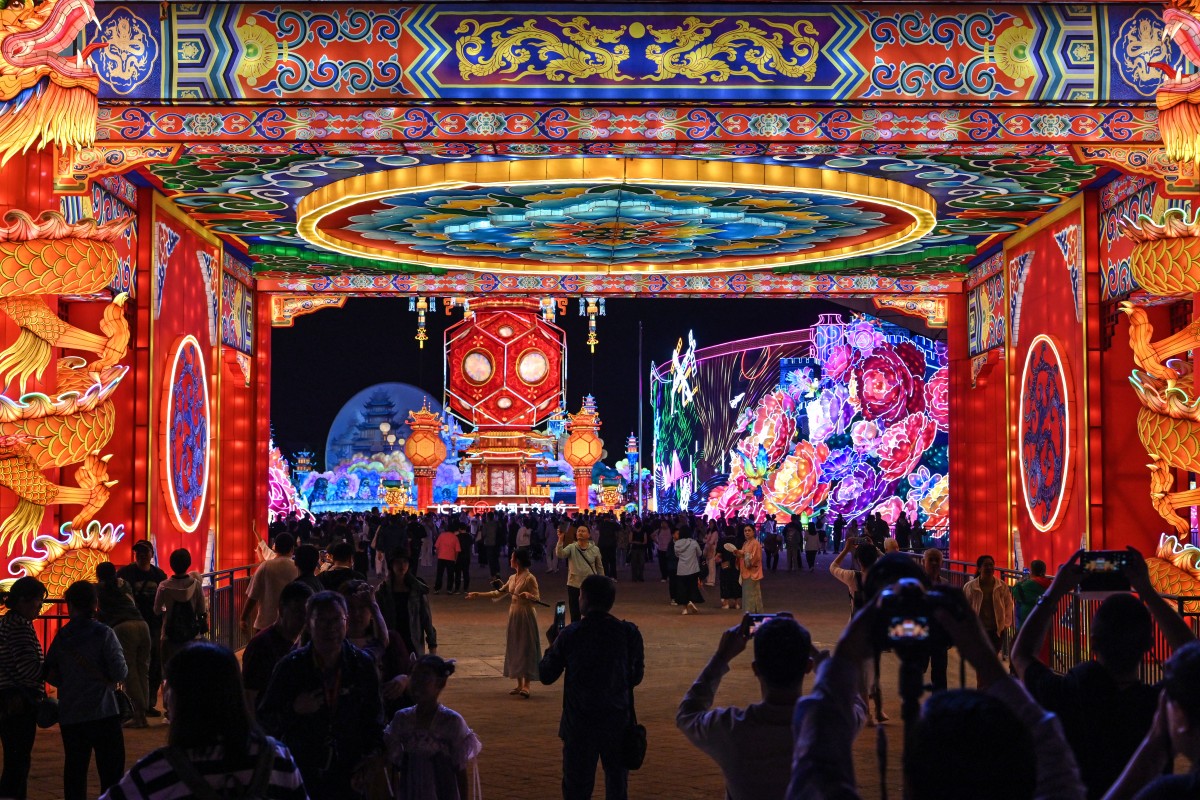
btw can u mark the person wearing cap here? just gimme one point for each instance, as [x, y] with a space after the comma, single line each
[21, 687]
[143, 577]
[267, 584]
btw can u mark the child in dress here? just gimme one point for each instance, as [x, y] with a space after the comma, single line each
[429, 745]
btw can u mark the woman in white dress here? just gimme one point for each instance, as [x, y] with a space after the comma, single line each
[430, 746]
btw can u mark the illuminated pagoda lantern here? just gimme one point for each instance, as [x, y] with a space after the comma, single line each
[426, 449]
[504, 375]
[304, 464]
[584, 447]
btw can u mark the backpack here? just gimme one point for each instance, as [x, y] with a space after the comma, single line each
[184, 624]
[858, 597]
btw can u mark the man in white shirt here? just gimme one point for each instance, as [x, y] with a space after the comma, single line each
[267, 584]
[751, 745]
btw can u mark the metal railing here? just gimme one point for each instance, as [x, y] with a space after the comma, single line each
[224, 594]
[1070, 635]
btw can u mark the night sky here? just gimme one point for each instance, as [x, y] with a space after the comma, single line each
[328, 356]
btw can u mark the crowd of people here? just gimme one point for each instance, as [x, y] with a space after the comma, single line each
[337, 693]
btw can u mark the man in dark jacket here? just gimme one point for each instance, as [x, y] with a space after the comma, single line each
[604, 659]
[323, 703]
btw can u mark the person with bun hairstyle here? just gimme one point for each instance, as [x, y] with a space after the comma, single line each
[428, 745]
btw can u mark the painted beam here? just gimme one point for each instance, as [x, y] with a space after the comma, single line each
[461, 282]
[313, 53]
[614, 130]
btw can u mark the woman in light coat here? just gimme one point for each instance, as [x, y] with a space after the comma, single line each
[991, 598]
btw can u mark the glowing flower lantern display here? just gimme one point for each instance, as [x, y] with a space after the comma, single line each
[426, 449]
[584, 447]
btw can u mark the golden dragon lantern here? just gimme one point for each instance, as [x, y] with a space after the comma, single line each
[49, 256]
[50, 99]
[1165, 261]
[584, 448]
[426, 450]
[45, 97]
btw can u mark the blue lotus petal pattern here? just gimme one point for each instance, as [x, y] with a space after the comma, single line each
[614, 224]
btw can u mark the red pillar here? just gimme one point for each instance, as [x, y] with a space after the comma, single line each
[583, 482]
[424, 480]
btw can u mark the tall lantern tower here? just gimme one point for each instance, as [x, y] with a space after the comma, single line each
[426, 450]
[505, 374]
[584, 447]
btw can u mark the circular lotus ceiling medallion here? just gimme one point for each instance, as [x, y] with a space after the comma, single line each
[532, 367]
[477, 366]
[1045, 431]
[614, 215]
[185, 434]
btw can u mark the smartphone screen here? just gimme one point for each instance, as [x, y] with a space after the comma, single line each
[1104, 560]
[560, 613]
[757, 620]
[1103, 571]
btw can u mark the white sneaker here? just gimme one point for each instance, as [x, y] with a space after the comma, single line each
[692, 607]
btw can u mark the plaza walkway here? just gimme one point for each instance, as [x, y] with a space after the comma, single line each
[521, 751]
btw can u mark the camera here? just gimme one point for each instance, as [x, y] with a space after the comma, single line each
[905, 622]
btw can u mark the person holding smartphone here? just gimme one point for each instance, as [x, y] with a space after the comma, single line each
[1104, 706]
[583, 559]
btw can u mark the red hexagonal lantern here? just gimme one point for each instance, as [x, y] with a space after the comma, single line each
[504, 365]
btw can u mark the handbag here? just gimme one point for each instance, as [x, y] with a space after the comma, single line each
[47, 712]
[633, 739]
[124, 704]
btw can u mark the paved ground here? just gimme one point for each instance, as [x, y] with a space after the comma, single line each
[521, 754]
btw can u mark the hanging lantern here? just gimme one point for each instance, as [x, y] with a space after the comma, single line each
[421, 305]
[593, 308]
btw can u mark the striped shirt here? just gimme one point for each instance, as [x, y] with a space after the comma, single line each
[153, 778]
[20, 654]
